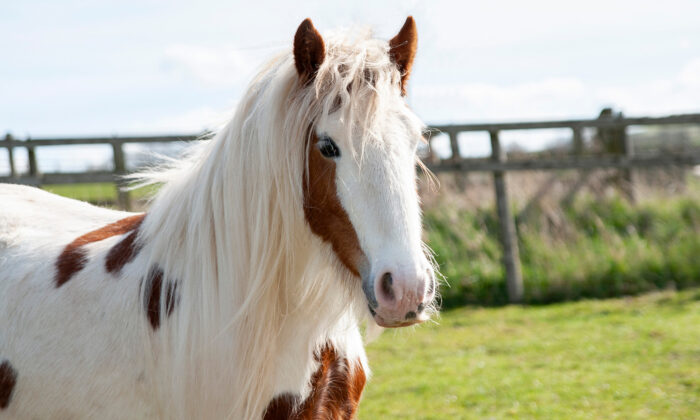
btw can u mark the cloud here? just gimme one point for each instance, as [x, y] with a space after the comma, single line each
[222, 66]
[690, 74]
[677, 94]
[555, 98]
[547, 98]
[193, 121]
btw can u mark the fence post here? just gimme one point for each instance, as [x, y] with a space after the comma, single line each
[508, 237]
[628, 173]
[31, 157]
[454, 145]
[123, 197]
[578, 140]
[10, 155]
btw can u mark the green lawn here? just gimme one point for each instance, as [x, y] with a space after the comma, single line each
[100, 193]
[620, 358]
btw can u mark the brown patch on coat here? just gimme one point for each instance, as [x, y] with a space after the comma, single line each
[123, 252]
[152, 298]
[309, 51]
[324, 212]
[74, 256]
[8, 380]
[282, 407]
[402, 50]
[336, 388]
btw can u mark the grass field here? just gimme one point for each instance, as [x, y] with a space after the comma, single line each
[600, 247]
[100, 193]
[620, 358]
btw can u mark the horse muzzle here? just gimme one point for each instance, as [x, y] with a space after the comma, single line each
[399, 297]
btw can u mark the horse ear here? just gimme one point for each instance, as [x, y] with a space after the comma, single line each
[309, 51]
[402, 50]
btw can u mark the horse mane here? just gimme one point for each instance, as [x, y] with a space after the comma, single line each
[228, 225]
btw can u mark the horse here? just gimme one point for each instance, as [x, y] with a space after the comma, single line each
[244, 289]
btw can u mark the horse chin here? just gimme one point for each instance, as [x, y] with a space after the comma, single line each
[395, 324]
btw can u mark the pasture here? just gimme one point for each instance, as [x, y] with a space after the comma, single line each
[619, 358]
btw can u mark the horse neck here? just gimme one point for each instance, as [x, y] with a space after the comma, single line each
[249, 288]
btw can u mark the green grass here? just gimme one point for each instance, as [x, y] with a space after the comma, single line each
[598, 248]
[623, 358]
[101, 193]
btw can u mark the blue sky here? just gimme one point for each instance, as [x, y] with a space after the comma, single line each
[150, 66]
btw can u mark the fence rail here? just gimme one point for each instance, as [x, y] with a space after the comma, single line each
[498, 164]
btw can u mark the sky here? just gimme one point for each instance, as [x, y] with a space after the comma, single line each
[75, 68]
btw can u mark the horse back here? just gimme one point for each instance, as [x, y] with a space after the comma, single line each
[63, 347]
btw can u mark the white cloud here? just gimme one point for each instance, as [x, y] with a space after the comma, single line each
[557, 98]
[678, 94]
[190, 122]
[690, 74]
[549, 98]
[221, 66]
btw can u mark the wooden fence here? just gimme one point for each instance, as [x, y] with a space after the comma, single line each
[498, 164]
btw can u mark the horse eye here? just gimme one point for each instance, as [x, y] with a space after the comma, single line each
[328, 148]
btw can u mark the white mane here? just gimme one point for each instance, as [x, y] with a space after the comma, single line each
[230, 215]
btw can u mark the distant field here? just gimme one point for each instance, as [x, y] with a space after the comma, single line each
[101, 193]
[621, 358]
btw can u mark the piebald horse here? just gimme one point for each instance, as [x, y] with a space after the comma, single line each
[241, 292]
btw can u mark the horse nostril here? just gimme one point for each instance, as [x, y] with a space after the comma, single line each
[421, 307]
[386, 286]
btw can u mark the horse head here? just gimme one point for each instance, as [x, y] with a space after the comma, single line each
[360, 192]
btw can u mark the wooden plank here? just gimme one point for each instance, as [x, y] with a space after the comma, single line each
[62, 178]
[672, 119]
[503, 126]
[507, 234]
[464, 165]
[597, 162]
[105, 140]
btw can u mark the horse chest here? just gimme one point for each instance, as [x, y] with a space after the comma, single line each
[336, 388]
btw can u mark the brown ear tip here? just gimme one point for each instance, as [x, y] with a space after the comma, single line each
[410, 23]
[306, 27]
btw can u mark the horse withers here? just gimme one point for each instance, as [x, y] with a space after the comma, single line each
[241, 292]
